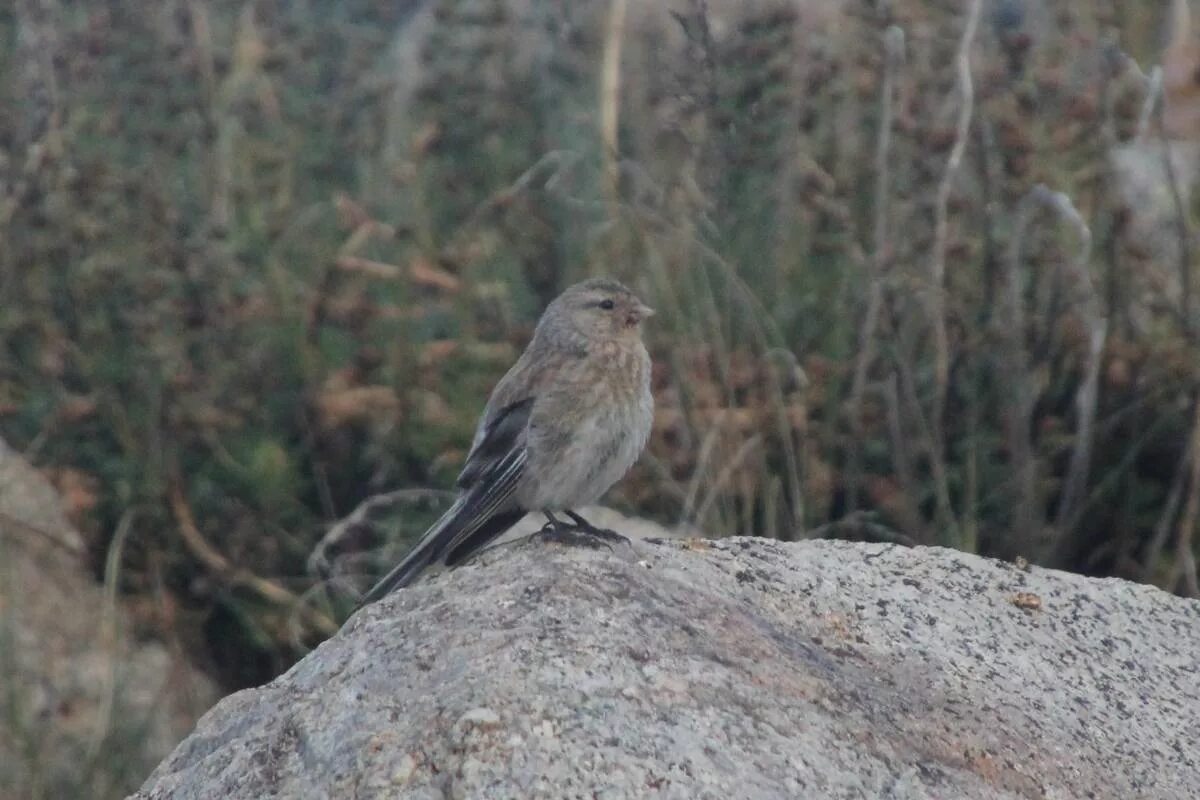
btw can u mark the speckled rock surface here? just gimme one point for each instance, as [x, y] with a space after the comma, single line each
[735, 669]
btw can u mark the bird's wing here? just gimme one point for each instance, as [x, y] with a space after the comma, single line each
[498, 436]
[494, 467]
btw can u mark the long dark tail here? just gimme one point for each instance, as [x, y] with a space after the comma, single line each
[433, 544]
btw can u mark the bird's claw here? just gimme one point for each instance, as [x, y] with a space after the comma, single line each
[588, 528]
[580, 534]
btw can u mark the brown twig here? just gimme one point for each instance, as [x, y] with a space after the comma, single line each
[216, 563]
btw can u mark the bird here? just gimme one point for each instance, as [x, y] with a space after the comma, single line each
[564, 424]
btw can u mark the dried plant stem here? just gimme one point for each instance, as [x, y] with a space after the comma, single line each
[107, 634]
[1162, 529]
[1185, 558]
[1015, 364]
[947, 522]
[902, 463]
[1154, 94]
[1181, 225]
[966, 91]
[208, 555]
[894, 53]
[610, 94]
[750, 445]
[702, 461]
[1091, 309]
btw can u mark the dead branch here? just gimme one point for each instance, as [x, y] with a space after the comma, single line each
[220, 566]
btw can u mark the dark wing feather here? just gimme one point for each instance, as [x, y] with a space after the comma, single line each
[500, 436]
[488, 497]
[483, 510]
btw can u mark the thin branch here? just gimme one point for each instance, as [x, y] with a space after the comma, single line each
[216, 563]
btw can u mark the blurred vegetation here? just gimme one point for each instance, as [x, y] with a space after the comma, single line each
[261, 259]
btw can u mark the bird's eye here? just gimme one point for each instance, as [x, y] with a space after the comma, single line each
[607, 305]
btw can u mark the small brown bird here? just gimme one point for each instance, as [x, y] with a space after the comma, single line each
[566, 423]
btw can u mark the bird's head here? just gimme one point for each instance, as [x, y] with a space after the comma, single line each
[598, 309]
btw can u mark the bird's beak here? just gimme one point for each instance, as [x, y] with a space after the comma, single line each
[639, 312]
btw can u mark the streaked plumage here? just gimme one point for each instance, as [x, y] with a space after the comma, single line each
[564, 424]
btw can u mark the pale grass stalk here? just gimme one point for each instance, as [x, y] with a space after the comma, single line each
[610, 93]
[771, 507]
[723, 477]
[1154, 93]
[1015, 364]
[1091, 309]
[706, 450]
[758, 322]
[902, 464]
[947, 521]
[1182, 229]
[893, 56]
[942, 217]
[107, 635]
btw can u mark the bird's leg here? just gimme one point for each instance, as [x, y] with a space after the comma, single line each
[553, 524]
[583, 525]
[555, 530]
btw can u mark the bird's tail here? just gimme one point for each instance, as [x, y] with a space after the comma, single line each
[457, 533]
[421, 556]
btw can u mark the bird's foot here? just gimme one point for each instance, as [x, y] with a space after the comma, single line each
[588, 528]
[579, 534]
[568, 535]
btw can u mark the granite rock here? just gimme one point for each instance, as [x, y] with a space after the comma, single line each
[736, 668]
